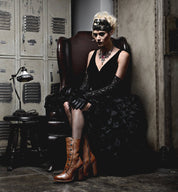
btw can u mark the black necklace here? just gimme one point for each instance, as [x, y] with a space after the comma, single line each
[103, 57]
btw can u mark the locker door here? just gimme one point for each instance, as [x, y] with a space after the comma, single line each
[59, 23]
[32, 93]
[7, 95]
[53, 76]
[7, 31]
[31, 14]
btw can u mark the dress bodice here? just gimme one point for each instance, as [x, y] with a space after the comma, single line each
[103, 77]
[116, 122]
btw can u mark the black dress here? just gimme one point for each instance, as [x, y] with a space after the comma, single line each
[117, 123]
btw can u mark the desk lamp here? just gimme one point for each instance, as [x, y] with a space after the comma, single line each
[22, 77]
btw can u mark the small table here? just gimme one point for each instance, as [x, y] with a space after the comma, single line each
[22, 124]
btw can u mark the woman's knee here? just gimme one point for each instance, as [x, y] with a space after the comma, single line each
[66, 107]
[76, 111]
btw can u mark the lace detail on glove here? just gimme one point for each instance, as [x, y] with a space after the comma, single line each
[101, 94]
[85, 83]
[78, 103]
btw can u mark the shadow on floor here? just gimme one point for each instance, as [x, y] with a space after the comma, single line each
[29, 177]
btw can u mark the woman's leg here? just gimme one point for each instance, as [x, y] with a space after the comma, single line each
[68, 112]
[89, 160]
[76, 120]
[77, 123]
[74, 164]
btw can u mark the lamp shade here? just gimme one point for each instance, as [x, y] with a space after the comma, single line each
[24, 76]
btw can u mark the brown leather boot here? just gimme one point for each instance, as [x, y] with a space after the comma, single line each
[89, 160]
[68, 145]
[74, 165]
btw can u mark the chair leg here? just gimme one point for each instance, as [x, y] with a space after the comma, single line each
[12, 147]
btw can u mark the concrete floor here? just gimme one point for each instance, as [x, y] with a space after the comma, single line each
[37, 179]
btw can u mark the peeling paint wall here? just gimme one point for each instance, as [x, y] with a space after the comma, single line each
[146, 25]
[174, 104]
[171, 64]
[136, 19]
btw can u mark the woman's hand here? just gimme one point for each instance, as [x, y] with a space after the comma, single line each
[80, 103]
[87, 107]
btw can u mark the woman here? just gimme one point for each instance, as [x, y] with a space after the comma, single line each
[93, 110]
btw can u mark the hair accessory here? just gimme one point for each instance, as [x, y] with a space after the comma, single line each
[101, 25]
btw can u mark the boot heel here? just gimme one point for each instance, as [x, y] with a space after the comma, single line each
[94, 168]
[86, 169]
[80, 174]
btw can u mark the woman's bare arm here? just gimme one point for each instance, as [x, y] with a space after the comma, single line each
[123, 61]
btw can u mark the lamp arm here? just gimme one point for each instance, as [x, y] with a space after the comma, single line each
[13, 76]
[16, 91]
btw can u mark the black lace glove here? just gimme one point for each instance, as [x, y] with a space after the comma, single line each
[85, 84]
[65, 91]
[78, 103]
[97, 95]
[100, 94]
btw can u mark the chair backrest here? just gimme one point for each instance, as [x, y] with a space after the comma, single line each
[72, 54]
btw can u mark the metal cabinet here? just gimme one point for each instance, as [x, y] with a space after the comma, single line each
[7, 27]
[53, 76]
[59, 23]
[29, 30]
[33, 92]
[28, 33]
[7, 96]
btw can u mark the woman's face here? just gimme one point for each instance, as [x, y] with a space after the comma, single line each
[101, 37]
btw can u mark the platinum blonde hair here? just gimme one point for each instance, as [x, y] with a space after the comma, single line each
[105, 15]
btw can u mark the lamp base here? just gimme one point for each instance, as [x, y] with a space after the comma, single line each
[19, 112]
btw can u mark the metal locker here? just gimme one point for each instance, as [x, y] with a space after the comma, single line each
[4, 134]
[31, 27]
[7, 30]
[32, 93]
[7, 95]
[53, 76]
[59, 23]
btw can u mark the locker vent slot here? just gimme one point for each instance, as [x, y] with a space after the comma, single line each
[5, 20]
[58, 25]
[31, 23]
[4, 134]
[5, 92]
[31, 93]
[55, 88]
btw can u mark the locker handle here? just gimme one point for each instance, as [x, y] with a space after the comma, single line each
[23, 38]
[51, 76]
[32, 71]
[2, 71]
[51, 40]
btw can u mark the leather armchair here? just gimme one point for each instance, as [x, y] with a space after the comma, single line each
[72, 55]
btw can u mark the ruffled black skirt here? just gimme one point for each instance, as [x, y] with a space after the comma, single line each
[116, 125]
